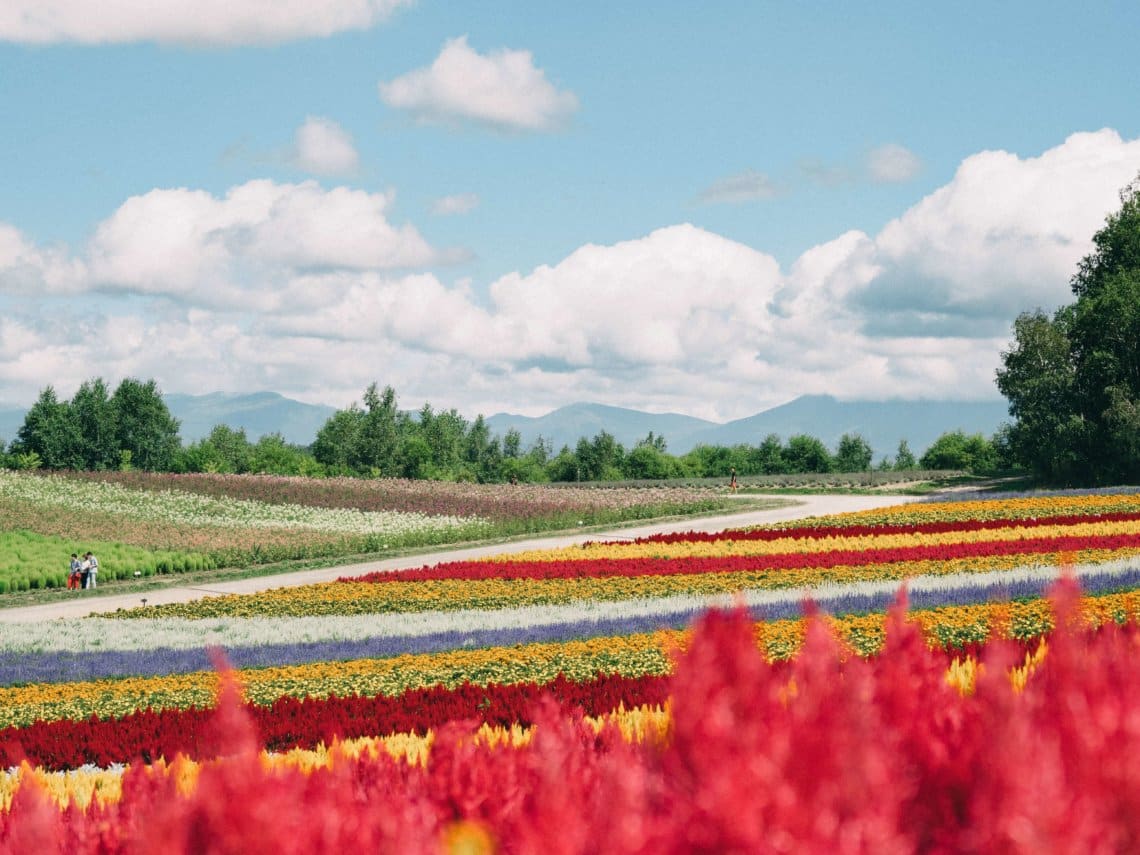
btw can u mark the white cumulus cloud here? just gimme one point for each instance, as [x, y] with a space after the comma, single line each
[26, 268]
[680, 297]
[189, 242]
[186, 22]
[1005, 235]
[502, 89]
[306, 291]
[241, 249]
[323, 147]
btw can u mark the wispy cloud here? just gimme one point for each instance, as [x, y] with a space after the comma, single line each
[460, 203]
[744, 186]
[892, 164]
[826, 174]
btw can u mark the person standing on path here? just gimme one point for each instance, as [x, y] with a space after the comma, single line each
[92, 570]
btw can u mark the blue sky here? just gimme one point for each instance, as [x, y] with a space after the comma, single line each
[514, 206]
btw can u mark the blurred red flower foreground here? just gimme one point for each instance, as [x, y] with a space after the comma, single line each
[831, 752]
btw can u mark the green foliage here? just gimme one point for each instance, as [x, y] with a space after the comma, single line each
[956, 450]
[512, 444]
[96, 420]
[144, 425]
[601, 458]
[564, 466]
[415, 456]
[854, 454]
[337, 438]
[713, 461]
[377, 439]
[32, 561]
[904, 457]
[648, 461]
[768, 458]
[51, 432]
[1073, 379]
[272, 455]
[27, 461]
[225, 450]
[807, 454]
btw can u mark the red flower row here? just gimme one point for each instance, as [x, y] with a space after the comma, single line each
[302, 723]
[608, 567]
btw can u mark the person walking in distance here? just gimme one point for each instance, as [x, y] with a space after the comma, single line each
[92, 570]
[732, 485]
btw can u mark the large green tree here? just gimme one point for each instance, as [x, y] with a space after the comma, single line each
[95, 419]
[378, 439]
[50, 432]
[337, 438]
[854, 453]
[144, 426]
[807, 454]
[1073, 379]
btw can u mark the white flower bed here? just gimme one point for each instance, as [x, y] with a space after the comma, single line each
[176, 507]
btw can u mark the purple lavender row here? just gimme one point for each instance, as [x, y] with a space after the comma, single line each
[67, 666]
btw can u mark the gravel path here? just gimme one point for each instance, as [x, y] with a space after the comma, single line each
[85, 605]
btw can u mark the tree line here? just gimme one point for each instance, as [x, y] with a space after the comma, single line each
[132, 428]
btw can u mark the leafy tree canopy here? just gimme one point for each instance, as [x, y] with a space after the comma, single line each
[1073, 379]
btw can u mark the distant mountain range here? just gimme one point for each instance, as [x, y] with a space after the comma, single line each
[882, 423]
[259, 413]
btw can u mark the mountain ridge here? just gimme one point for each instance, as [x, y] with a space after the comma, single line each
[882, 423]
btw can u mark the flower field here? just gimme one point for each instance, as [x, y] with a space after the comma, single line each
[585, 699]
[208, 521]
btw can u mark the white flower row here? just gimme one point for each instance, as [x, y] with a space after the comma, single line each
[175, 506]
[96, 633]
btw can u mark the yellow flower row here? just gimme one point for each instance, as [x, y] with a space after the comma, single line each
[81, 787]
[793, 546]
[340, 598]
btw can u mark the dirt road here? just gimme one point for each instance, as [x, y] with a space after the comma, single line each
[84, 605]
